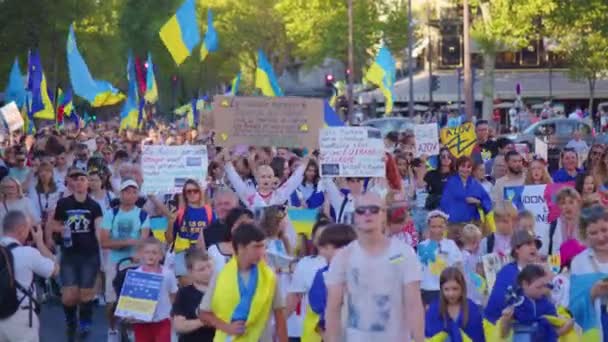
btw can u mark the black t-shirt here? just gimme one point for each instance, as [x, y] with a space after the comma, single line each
[80, 216]
[435, 180]
[215, 233]
[186, 302]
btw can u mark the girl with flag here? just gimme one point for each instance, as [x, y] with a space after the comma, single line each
[453, 317]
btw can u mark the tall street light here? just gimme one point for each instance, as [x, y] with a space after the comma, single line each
[410, 62]
[351, 61]
[469, 101]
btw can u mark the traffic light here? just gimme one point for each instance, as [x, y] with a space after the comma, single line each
[329, 80]
[434, 83]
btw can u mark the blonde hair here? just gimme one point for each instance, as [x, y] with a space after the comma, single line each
[567, 192]
[504, 208]
[470, 233]
[150, 241]
[545, 178]
[14, 180]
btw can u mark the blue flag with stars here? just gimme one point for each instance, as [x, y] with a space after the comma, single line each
[139, 295]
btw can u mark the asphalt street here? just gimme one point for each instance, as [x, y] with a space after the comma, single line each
[52, 324]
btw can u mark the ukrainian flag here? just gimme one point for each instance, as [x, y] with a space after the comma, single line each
[330, 118]
[151, 95]
[98, 93]
[180, 34]
[42, 106]
[234, 85]
[211, 41]
[15, 89]
[265, 80]
[64, 105]
[382, 74]
[129, 117]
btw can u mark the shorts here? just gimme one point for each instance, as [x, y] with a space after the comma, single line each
[180, 264]
[79, 271]
[153, 332]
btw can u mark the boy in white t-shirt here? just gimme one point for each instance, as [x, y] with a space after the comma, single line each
[436, 254]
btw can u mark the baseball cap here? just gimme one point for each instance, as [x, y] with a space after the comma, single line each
[128, 183]
[523, 237]
[76, 171]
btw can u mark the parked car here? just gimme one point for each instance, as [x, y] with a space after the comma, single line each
[561, 128]
[386, 125]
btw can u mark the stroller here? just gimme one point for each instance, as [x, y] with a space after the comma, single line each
[122, 267]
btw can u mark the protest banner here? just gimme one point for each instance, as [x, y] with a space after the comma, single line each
[532, 199]
[427, 139]
[12, 116]
[351, 152]
[139, 295]
[459, 140]
[292, 122]
[541, 149]
[166, 168]
[492, 263]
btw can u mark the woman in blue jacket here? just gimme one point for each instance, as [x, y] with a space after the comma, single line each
[463, 195]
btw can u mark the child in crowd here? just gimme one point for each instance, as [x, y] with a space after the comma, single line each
[530, 311]
[526, 221]
[453, 315]
[436, 253]
[566, 226]
[499, 241]
[400, 223]
[185, 319]
[150, 252]
[471, 237]
[331, 240]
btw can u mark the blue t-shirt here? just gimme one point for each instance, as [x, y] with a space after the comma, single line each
[126, 225]
[194, 222]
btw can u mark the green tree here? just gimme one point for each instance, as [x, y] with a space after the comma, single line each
[504, 25]
[580, 28]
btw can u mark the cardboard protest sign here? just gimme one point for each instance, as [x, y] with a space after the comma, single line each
[459, 140]
[351, 152]
[427, 139]
[166, 168]
[12, 116]
[267, 121]
[139, 295]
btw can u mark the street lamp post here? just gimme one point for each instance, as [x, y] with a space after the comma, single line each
[351, 60]
[468, 81]
[410, 65]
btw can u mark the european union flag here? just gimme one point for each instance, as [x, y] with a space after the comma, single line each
[41, 106]
[211, 41]
[15, 89]
[265, 80]
[382, 74]
[98, 93]
[181, 34]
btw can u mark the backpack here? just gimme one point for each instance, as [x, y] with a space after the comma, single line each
[9, 299]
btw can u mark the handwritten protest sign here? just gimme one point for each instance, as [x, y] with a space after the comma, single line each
[459, 140]
[351, 152]
[265, 121]
[427, 139]
[139, 295]
[12, 116]
[166, 168]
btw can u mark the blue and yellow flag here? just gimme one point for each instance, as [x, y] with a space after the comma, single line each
[41, 105]
[129, 117]
[15, 89]
[98, 93]
[211, 41]
[330, 117]
[234, 85]
[181, 34]
[265, 80]
[151, 95]
[382, 74]
[64, 105]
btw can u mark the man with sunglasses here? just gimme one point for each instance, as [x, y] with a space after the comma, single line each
[381, 278]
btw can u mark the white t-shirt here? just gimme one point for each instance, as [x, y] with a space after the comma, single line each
[169, 287]
[27, 262]
[219, 259]
[448, 254]
[301, 281]
[374, 290]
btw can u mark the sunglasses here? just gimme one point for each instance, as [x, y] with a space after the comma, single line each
[445, 156]
[192, 191]
[372, 209]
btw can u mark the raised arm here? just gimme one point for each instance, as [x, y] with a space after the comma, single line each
[241, 189]
[283, 193]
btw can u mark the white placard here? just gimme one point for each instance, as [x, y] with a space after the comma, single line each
[12, 116]
[351, 152]
[91, 145]
[166, 168]
[541, 148]
[427, 139]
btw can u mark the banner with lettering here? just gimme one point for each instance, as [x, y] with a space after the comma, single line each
[532, 199]
[459, 140]
[427, 139]
[166, 168]
[351, 152]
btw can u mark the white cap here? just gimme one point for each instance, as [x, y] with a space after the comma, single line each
[127, 183]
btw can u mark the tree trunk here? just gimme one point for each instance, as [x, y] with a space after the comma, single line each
[489, 64]
[591, 81]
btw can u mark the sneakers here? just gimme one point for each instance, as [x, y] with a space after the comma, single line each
[71, 331]
[84, 329]
[113, 336]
